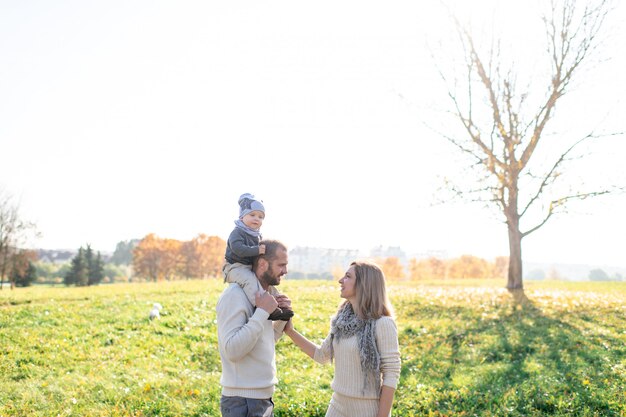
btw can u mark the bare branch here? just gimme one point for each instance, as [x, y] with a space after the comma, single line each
[550, 176]
[561, 45]
[561, 202]
[472, 131]
[488, 84]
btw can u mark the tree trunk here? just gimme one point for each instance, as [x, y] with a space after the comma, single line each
[515, 257]
[2, 272]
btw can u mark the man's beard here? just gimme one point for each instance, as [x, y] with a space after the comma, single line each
[270, 279]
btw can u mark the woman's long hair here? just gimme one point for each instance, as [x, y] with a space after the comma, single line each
[371, 293]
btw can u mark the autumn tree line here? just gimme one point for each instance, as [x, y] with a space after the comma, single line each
[465, 266]
[156, 259]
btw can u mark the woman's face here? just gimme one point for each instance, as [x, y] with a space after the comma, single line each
[347, 282]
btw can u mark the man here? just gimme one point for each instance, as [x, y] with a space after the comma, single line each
[246, 339]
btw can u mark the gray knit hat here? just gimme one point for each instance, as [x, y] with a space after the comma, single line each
[248, 203]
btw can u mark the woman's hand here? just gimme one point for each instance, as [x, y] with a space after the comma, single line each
[289, 328]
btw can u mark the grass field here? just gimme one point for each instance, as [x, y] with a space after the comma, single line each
[467, 350]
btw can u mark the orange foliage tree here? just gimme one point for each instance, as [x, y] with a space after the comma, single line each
[172, 263]
[156, 258]
[22, 261]
[147, 257]
[501, 267]
[392, 268]
[203, 256]
[466, 266]
[430, 268]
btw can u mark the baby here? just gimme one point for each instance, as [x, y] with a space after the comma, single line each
[243, 246]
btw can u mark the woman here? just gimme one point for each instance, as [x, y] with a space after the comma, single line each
[363, 342]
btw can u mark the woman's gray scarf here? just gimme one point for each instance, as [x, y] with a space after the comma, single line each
[346, 324]
[241, 225]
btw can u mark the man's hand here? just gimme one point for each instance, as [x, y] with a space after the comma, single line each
[265, 301]
[283, 301]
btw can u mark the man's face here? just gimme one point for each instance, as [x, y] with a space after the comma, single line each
[276, 268]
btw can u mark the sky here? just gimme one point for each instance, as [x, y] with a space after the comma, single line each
[123, 118]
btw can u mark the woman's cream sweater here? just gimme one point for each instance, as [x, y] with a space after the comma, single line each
[349, 379]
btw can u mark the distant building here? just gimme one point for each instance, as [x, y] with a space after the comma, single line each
[61, 256]
[380, 252]
[55, 256]
[439, 254]
[320, 261]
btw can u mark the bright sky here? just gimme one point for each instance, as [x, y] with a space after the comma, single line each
[121, 118]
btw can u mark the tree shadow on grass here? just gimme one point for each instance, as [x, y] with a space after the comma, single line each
[520, 362]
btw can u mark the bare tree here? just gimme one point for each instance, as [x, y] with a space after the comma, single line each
[502, 127]
[13, 234]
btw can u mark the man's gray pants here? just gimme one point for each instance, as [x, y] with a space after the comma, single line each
[246, 407]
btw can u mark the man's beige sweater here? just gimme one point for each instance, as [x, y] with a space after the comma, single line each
[246, 340]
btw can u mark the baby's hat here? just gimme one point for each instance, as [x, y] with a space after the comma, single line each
[248, 203]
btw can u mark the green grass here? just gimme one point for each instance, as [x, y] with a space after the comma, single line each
[467, 350]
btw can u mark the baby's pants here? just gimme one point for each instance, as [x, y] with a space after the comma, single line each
[242, 274]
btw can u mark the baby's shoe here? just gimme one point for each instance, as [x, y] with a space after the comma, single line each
[281, 314]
